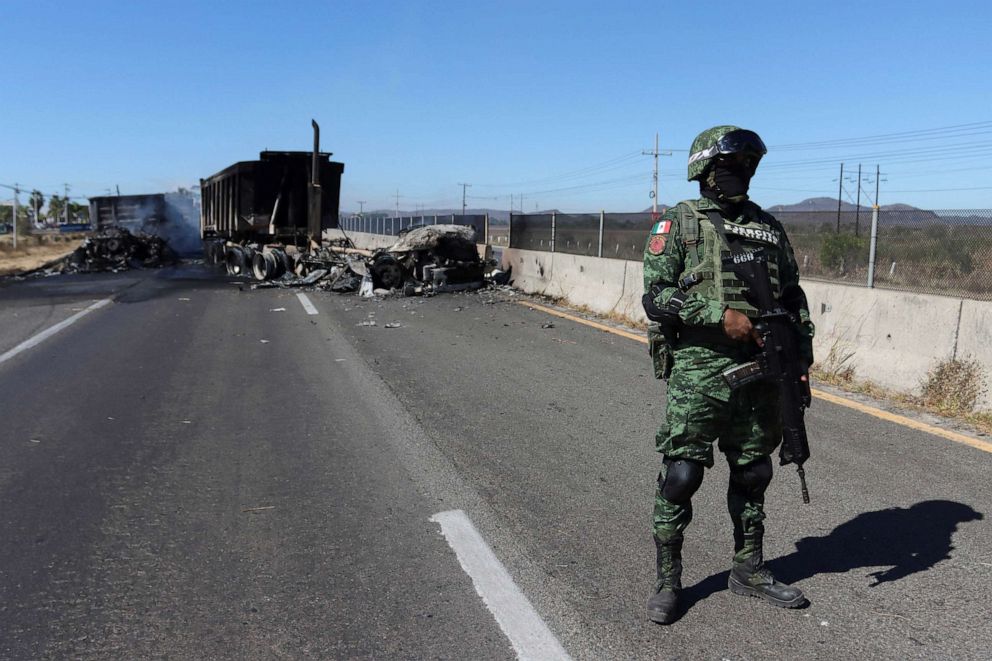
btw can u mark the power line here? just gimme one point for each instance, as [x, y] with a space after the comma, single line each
[612, 163]
[950, 130]
[938, 190]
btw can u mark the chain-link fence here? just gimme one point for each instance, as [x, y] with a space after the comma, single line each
[612, 235]
[392, 226]
[932, 251]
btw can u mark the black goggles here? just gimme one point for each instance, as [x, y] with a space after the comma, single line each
[741, 141]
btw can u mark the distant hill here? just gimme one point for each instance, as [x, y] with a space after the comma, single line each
[830, 204]
[503, 215]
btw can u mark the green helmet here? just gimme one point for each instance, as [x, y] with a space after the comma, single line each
[722, 140]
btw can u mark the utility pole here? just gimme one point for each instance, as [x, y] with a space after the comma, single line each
[877, 177]
[465, 187]
[654, 192]
[840, 191]
[361, 207]
[65, 202]
[397, 202]
[522, 203]
[857, 211]
[16, 191]
[34, 203]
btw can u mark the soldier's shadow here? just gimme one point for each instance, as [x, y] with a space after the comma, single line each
[905, 540]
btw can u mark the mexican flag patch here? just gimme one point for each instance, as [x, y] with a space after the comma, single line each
[662, 227]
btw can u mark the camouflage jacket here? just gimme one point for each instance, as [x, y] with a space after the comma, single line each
[665, 262]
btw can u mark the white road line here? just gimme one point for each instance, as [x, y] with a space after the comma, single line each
[307, 305]
[48, 332]
[529, 635]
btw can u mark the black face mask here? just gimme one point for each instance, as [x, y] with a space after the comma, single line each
[732, 182]
[727, 183]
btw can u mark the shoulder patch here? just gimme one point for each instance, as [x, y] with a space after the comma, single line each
[656, 245]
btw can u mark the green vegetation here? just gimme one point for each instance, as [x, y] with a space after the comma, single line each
[838, 251]
[941, 259]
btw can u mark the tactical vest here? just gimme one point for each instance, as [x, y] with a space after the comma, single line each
[705, 249]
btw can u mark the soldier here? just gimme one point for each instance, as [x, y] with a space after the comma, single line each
[703, 326]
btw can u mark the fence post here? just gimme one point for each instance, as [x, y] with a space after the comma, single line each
[553, 218]
[872, 245]
[485, 230]
[602, 221]
[509, 232]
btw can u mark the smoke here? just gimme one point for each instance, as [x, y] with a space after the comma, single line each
[173, 216]
[182, 226]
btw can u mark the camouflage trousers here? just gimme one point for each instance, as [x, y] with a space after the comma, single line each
[745, 425]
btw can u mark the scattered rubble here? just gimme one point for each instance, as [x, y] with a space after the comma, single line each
[112, 249]
[422, 262]
[117, 249]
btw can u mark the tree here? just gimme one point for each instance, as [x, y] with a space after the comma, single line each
[56, 208]
[36, 202]
[78, 213]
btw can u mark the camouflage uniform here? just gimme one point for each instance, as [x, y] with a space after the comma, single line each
[682, 257]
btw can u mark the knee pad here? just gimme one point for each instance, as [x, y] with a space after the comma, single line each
[682, 478]
[753, 478]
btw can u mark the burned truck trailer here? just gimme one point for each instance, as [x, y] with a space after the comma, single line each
[136, 213]
[169, 216]
[275, 200]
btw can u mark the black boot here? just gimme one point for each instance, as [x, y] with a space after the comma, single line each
[753, 579]
[663, 606]
[745, 500]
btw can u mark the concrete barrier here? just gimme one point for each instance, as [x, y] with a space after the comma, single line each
[363, 240]
[890, 337]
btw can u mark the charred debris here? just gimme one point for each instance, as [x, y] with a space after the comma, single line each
[267, 219]
[112, 249]
[423, 261]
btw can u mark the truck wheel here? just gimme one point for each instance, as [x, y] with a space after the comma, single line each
[387, 273]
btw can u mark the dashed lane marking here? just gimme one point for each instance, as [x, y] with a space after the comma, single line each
[528, 634]
[307, 305]
[48, 332]
[984, 446]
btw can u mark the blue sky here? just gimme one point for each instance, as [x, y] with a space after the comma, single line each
[554, 100]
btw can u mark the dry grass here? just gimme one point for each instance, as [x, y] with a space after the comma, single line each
[32, 252]
[951, 389]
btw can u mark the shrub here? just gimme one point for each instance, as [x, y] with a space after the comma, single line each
[953, 387]
[843, 250]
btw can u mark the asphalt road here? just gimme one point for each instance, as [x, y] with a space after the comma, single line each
[197, 470]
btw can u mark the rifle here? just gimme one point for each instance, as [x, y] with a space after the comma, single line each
[779, 360]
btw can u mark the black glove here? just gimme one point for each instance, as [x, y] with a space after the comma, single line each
[651, 309]
[670, 312]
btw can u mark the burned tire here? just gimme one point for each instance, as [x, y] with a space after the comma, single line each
[268, 265]
[236, 260]
[387, 273]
